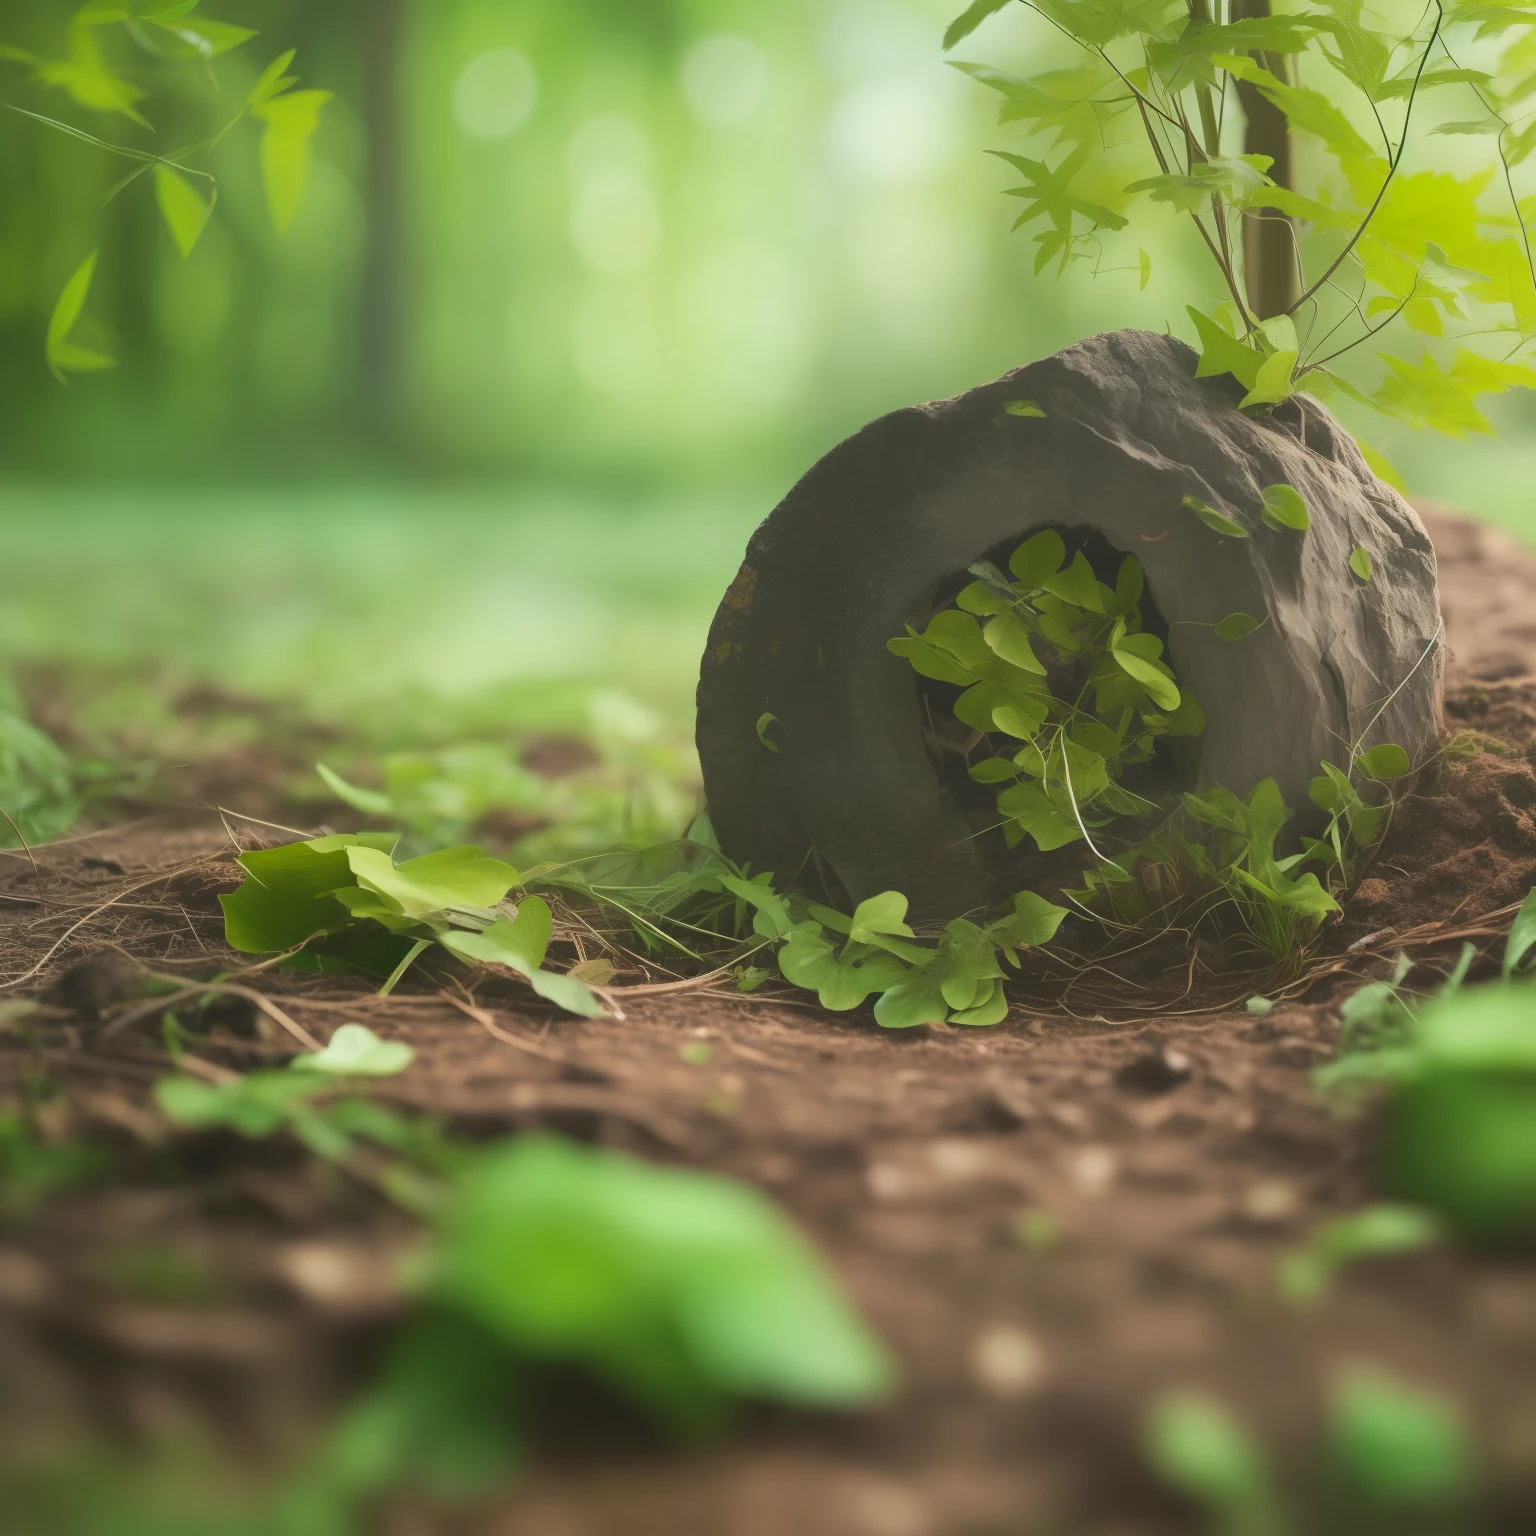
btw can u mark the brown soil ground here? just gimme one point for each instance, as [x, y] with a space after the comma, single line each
[1180, 1156]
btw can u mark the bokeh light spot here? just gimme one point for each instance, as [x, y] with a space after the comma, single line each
[892, 131]
[615, 222]
[495, 94]
[725, 79]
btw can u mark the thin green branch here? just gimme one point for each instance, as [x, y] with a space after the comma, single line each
[1392, 165]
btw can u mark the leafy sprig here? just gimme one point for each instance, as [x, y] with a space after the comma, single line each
[186, 192]
[342, 901]
[1057, 660]
[1294, 145]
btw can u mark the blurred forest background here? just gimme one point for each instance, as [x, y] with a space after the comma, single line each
[579, 289]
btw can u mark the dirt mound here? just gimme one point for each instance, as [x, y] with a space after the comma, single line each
[1463, 847]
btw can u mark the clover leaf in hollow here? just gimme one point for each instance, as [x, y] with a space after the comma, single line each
[1008, 637]
[928, 660]
[982, 598]
[1284, 507]
[681, 1289]
[1136, 656]
[1130, 583]
[993, 770]
[1032, 812]
[980, 705]
[1038, 557]
[967, 964]
[1077, 584]
[289, 892]
[422, 888]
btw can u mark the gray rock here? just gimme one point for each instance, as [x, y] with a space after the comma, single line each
[876, 535]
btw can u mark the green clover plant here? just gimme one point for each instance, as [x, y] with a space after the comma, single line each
[846, 959]
[343, 901]
[1057, 663]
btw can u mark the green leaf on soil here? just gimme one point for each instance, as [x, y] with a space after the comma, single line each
[679, 1289]
[426, 887]
[1398, 1447]
[355, 1051]
[1522, 936]
[1198, 1448]
[1376, 1232]
[1360, 564]
[520, 946]
[289, 894]
[1024, 408]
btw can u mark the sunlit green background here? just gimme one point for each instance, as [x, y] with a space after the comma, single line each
[580, 288]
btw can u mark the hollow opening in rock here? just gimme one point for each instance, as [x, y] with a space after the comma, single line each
[953, 746]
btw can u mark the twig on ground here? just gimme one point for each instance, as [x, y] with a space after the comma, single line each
[214, 989]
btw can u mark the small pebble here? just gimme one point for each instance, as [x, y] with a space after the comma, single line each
[1006, 1361]
[1094, 1170]
[1273, 1200]
[1156, 1071]
[957, 1159]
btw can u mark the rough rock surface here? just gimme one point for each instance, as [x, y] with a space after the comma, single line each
[873, 536]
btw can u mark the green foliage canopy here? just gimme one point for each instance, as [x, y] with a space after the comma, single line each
[106, 47]
[1389, 251]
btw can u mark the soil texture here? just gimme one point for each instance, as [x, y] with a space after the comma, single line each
[1051, 1221]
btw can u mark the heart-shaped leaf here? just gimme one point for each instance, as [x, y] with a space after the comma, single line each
[355, 1051]
[1237, 626]
[1388, 761]
[1284, 507]
[1217, 521]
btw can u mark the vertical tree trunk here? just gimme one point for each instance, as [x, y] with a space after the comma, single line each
[1269, 247]
[384, 25]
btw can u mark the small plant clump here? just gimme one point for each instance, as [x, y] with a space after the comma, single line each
[1087, 711]
[1061, 663]
[1458, 1071]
